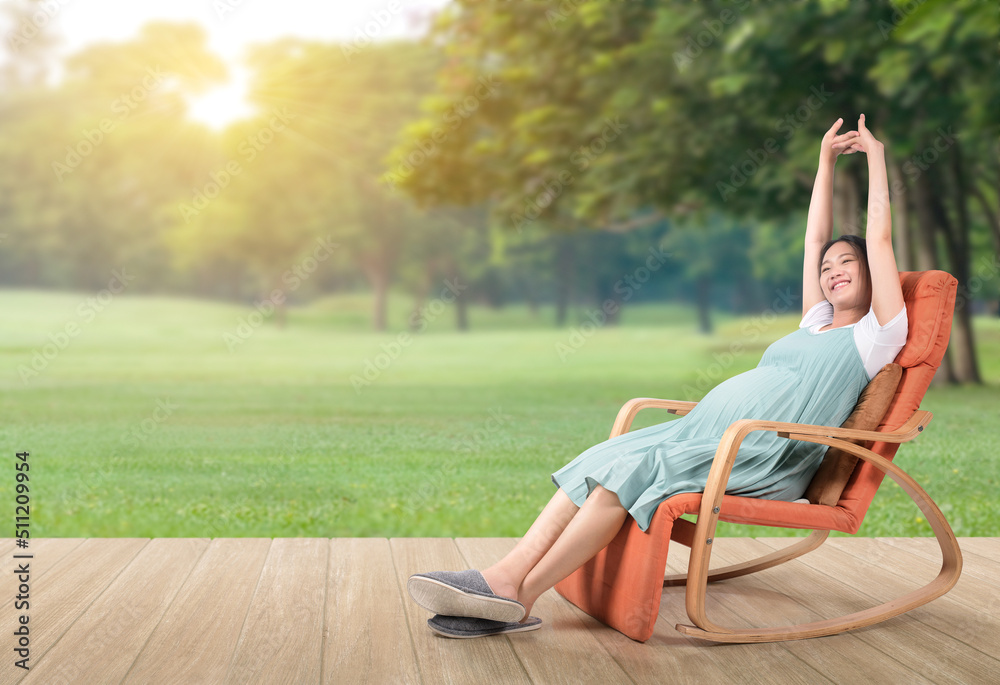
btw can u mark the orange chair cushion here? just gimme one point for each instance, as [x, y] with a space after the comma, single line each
[837, 467]
[930, 303]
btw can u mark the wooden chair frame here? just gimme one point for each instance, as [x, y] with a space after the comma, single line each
[622, 584]
[699, 536]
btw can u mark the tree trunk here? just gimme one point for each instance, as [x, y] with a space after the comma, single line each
[565, 276]
[991, 217]
[961, 350]
[378, 276]
[417, 312]
[926, 254]
[604, 290]
[900, 205]
[926, 259]
[280, 308]
[381, 302]
[966, 364]
[704, 290]
[461, 301]
[847, 205]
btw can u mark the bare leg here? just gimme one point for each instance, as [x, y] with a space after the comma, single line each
[590, 531]
[506, 575]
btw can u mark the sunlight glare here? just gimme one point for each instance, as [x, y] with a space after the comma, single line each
[220, 106]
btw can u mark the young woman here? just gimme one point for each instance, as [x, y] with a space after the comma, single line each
[853, 323]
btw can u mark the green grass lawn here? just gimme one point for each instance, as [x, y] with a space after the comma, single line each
[146, 424]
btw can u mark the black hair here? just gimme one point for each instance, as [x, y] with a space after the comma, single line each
[857, 242]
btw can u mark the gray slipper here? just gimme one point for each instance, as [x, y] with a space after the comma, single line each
[463, 626]
[462, 593]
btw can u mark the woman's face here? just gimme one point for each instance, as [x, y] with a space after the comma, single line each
[843, 278]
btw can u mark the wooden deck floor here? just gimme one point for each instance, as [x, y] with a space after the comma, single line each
[310, 610]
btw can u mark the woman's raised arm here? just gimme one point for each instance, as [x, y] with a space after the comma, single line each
[819, 225]
[887, 295]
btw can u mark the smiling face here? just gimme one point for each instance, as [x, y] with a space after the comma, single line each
[844, 277]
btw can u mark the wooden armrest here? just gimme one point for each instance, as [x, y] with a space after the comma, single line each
[909, 430]
[628, 411]
[725, 455]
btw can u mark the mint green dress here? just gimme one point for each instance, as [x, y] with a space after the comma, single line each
[802, 378]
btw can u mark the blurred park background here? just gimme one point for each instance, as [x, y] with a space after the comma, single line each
[382, 270]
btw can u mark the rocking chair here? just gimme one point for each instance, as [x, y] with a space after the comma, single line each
[621, 586]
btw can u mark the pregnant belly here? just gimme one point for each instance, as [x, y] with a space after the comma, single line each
[770, 393]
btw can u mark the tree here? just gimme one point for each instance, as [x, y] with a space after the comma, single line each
[715, 106]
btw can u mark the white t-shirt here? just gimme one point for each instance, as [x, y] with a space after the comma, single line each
[877, 345]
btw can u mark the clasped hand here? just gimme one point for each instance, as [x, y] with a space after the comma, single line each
[848, 143]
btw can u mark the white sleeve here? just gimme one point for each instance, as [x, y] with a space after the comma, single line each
[879, 345]
[820, 313]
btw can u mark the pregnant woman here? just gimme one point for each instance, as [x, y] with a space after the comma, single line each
[853, 323]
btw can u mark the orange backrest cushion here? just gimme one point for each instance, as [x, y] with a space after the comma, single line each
[930, 305]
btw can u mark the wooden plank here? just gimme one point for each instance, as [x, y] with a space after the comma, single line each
[974, 564]
[367, 639]
[72, 580]
[7, 546]
[46, 555]
[50, 551]
[966, 612]
[903, 564]
[769, 605]
[667, 656]
[930, 651]
[987, 547]
[772, 661]
[564, 649]
[282, 639]
[195, 640]
[114, 628]
[440, 659]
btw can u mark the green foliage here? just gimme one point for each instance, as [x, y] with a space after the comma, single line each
[536, 151]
